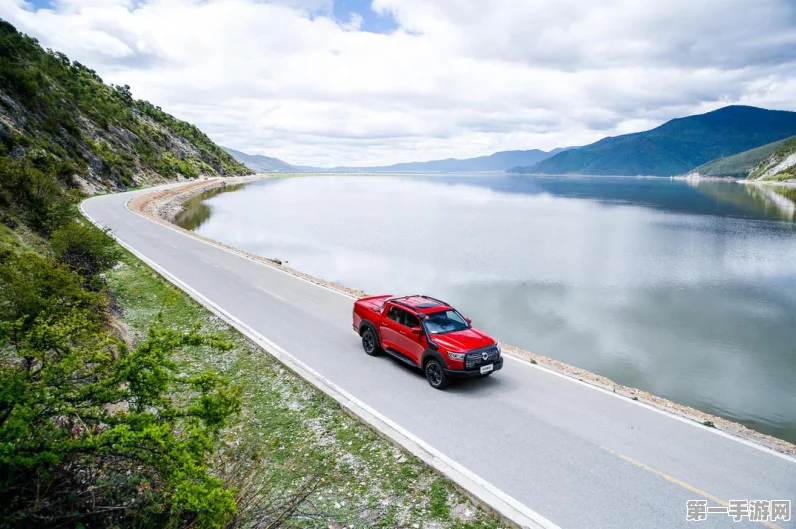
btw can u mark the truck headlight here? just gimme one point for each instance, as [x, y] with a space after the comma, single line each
[455, 356]
[497, 345]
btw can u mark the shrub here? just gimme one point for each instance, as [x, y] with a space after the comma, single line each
[35, 193]
[34, 289]
[85, 249]
[91, 433]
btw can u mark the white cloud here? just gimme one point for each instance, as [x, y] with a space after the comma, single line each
[456, 79]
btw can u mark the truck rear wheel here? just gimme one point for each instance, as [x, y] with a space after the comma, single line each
[435, 375]
[369, 342]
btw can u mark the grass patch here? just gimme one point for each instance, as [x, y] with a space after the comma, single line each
[438, 500]
[20, 239]
[709, 424]
[291, 437]
[780, 177]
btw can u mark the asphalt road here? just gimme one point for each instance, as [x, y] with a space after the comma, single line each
[578, 456]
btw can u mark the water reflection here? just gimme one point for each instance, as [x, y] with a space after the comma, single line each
[688, 292]
[195, 211]
[758, 200]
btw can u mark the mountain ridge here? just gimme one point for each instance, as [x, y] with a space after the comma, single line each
[675, 147]
[497, 162]
[260, 163]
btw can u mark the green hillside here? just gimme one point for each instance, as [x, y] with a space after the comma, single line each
[739, 165]
[57, 112]
[780, 165]
[675, 147]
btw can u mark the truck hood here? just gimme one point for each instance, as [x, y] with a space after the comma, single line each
[461, 341]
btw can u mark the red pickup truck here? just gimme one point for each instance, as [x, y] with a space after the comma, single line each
[427, 333]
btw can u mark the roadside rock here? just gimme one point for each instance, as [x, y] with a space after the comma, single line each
[17, 152]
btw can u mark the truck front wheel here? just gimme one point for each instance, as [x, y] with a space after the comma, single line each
[369, 342]
[435, 375]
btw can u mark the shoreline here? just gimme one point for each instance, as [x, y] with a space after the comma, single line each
[771, 183]
[163, 205]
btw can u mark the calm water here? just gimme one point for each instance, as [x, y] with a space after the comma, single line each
[686, 291]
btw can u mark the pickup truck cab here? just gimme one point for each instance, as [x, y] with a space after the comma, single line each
[426, 333]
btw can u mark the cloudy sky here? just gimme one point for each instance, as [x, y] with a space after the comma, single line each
[359, 82]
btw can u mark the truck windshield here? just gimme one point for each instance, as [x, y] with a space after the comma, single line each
[445, 321]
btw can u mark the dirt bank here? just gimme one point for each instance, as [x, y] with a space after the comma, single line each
[163, 205]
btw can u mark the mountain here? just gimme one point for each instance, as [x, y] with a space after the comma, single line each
[58, 115]
[261, 164]
[676, 146]
[500, 161]
[739, 165]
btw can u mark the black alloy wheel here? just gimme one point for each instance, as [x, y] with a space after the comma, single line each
[436, 375]
[369, 342]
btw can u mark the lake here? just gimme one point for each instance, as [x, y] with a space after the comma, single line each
[684, 290]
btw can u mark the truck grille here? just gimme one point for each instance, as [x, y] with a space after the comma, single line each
[479, 357]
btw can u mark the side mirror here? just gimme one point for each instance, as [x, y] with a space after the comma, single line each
[469, 320]
[416, 330]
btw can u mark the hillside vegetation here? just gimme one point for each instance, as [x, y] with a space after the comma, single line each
[738, 165]
[58, 114]
[675, 147]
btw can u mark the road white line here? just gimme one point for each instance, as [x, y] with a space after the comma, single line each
[571, 378]
[481, 490]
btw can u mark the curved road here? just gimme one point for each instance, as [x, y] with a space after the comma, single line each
[578, 456]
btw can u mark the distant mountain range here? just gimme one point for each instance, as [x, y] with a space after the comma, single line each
[259, 163]
[730, 142]
[674, 148]
[498, 162]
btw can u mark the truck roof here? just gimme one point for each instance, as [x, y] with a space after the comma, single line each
[422, 304]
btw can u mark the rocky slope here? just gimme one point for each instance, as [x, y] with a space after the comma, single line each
[738, 165]
[779, 165]
[97, 135]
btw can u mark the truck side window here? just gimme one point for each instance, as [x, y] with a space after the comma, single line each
[411, 320]
[395, 315]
